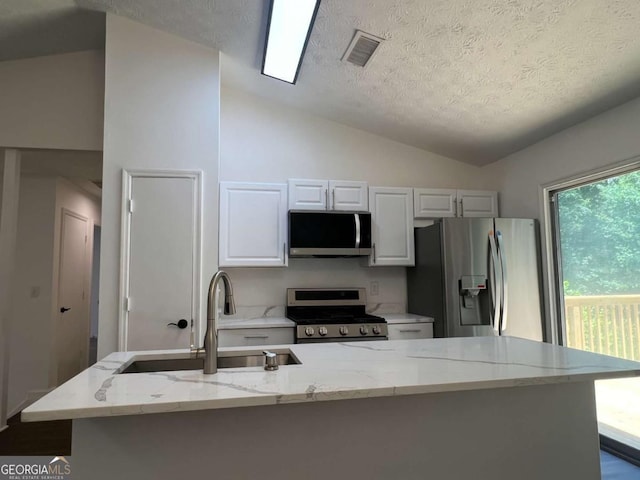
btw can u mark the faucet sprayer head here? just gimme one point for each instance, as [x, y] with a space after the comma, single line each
[229, 304]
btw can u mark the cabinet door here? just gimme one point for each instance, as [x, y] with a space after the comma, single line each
[392, 226]
[348, 195]
[241, 337]
[434, 202]
[253, 224]
[410, 331]
[308, 194]
[477, 203]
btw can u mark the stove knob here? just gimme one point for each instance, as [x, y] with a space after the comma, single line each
[309, 331]
[344, 331]
[323, 331]
[376, 330]
[364, 330]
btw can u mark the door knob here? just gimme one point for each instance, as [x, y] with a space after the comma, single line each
[64, 309]
[182, 323]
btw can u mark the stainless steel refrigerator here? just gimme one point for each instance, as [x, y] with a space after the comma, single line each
[478, 277]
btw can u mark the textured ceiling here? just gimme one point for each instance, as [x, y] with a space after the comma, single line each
[470, 79]
[474, 80]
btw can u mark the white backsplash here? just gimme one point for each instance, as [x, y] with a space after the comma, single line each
[258, 311]
[386, 308]
[261, 292]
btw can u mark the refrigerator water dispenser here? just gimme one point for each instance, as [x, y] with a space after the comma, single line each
[474, 302]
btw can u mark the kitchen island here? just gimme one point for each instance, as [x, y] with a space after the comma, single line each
[499, 408]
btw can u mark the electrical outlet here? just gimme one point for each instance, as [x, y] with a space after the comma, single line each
[374, 288]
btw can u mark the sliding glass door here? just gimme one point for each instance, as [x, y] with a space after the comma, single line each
[597, 238]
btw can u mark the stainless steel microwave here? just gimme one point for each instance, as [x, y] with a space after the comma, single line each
[329, 233]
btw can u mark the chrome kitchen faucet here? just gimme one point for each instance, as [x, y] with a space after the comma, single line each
[211, 335]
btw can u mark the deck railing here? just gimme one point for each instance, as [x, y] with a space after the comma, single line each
[608, 324]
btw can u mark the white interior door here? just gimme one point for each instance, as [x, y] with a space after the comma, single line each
[163, 266]
[72, 332]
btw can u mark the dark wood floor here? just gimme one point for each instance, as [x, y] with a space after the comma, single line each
[36, 438]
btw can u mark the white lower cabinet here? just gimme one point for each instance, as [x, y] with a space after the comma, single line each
[410, 331]
[391, 226]
[246, 337]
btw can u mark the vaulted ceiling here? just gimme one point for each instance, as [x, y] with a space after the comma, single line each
[474, 80]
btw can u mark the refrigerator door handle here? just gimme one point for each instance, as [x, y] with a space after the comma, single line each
[496, 300]
[503, 265]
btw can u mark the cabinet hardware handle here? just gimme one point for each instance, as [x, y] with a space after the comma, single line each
[461, 209]
[326, 199]
[284, 251]
[374, 253]
[410, 330]
[455, 207]
[250, 337]
[333, 199]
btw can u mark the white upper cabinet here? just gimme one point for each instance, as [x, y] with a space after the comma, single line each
[348, 195]
[392, 226]
[441, 202]
[253, 224]
[308, 194]
[305, 194]
[477, 203]
[434, 202]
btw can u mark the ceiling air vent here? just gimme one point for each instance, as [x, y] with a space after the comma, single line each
[361, 48]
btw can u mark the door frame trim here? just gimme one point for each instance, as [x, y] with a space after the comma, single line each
[125, 245]
[550, 272]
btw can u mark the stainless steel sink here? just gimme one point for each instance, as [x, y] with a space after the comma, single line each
[231, 361]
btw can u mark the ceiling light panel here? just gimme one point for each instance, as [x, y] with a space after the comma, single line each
[290, 24]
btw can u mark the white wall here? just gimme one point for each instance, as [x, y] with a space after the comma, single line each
[267, 142]
[596, 144]
[162, 109]
[604, 140]
[35, 307]
[10, 195]
[32, 290]
[53, 102]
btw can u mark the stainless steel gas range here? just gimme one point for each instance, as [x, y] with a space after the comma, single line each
[333, 315]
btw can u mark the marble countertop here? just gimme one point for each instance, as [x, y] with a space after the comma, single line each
[329, 371]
